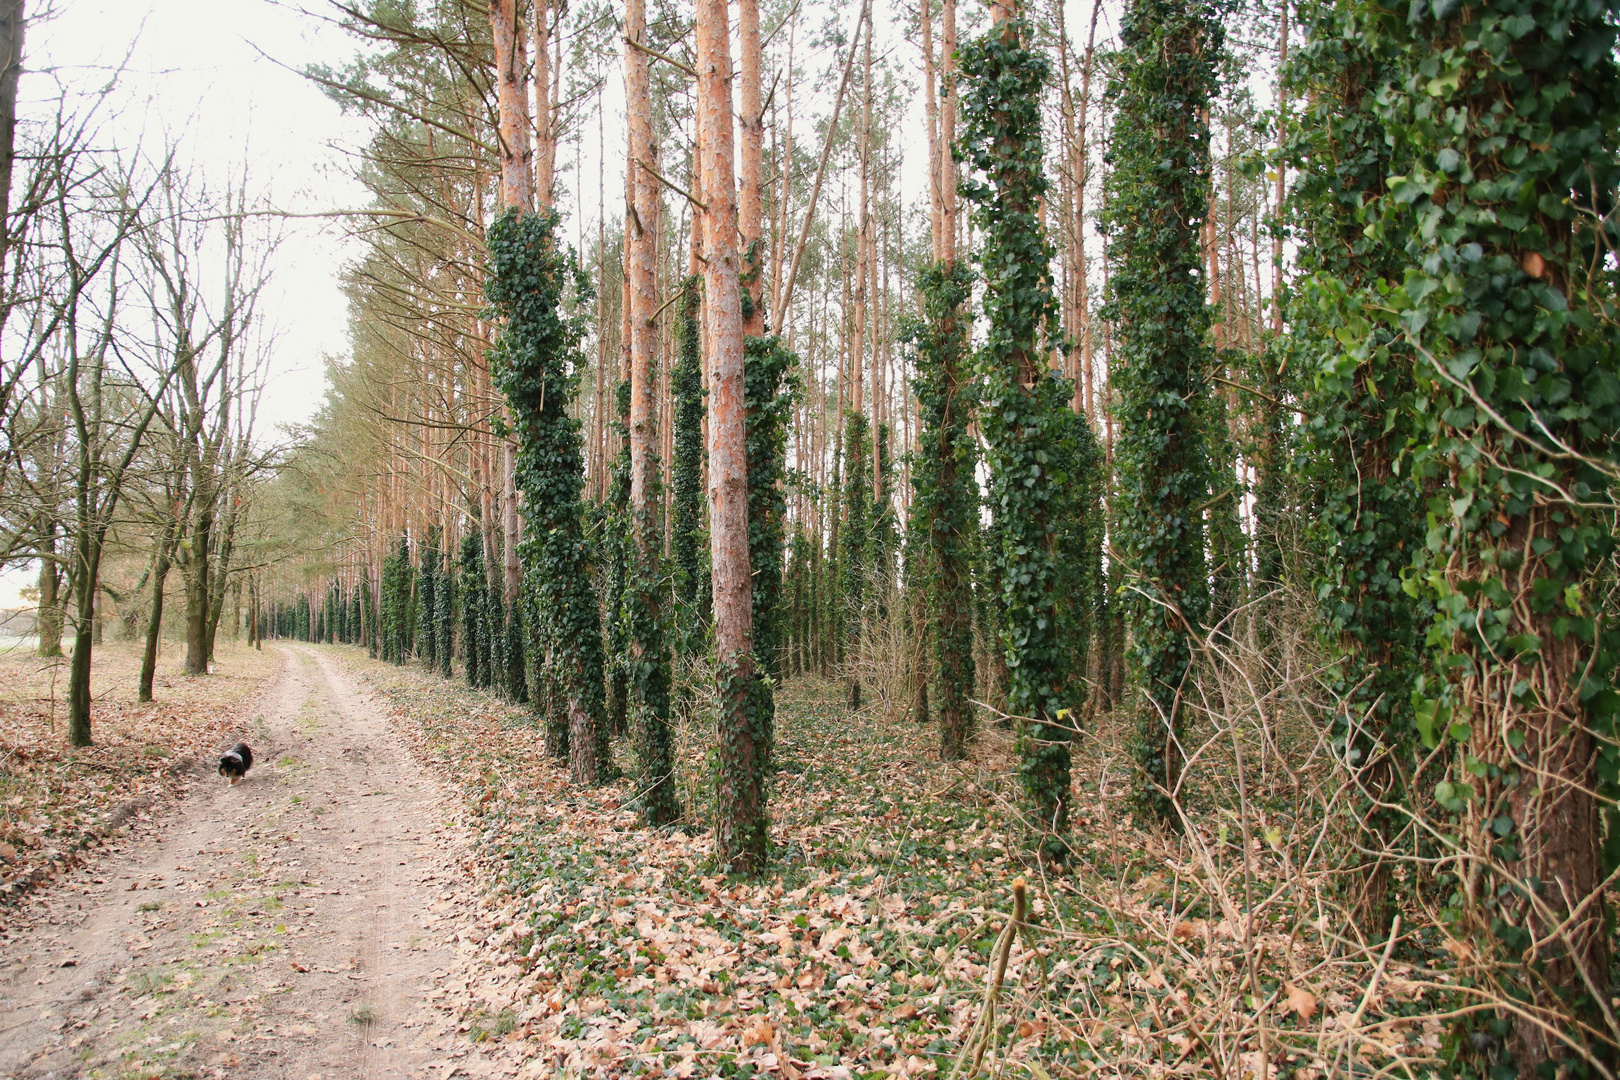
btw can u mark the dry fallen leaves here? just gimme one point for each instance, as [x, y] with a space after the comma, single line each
[1301, 1002]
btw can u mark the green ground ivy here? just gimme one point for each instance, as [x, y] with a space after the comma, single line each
[1158, 190]
[535, 363]
[1023, 408]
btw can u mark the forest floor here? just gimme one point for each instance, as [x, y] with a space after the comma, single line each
[407, 886]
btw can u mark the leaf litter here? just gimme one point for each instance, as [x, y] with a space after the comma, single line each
[866, 949]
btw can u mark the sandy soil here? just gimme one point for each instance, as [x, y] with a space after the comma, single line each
[293, 925]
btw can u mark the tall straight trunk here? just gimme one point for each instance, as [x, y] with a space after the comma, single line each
[750, 200]
[198, 592]
[13, 23]
[741, 823]
[947, 129]
[650, 684]
[517, 191]
[154, 623]
[224, 548]
[936, 195]
[85, 577]
[545, 138]
[1282, 180]
[512, 128]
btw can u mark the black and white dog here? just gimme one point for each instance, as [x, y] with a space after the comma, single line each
[235, 762]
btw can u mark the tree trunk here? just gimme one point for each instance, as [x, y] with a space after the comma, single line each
[947, 129]
[741, 825]
[198, 594]
[50, 601]
[86, 570]
[751, 125]
[544, 133]
[154, 624]
[650, 682]
[511, 69]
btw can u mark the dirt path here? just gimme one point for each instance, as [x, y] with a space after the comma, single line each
[291, 926]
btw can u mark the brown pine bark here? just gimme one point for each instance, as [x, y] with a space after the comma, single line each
[1081, 173]
[741, 823]
[1282, 176]
[750, 200]
[641, 296]
[936, 218]
[947, 129]
[512, 101]
[545, 140]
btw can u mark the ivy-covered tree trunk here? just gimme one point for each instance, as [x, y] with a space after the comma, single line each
[472, 609]
[445, 614]
[854, 542]
[1358, 409]
[1023, 404]
[770, 389]
[428, 630]
[686, 473]
[534, 364]
[946, 504]
[1510, 113]
[1228, 546]
[1158, 194]
[613, 567]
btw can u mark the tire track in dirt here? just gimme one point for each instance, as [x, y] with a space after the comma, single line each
[291, 926]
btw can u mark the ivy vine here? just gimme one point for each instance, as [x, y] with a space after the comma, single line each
[1158, 194]
[535, 364]
[946, 502]
[1023, 408]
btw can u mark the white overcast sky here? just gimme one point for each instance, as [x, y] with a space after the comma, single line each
[198, 69]
[207, 72]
